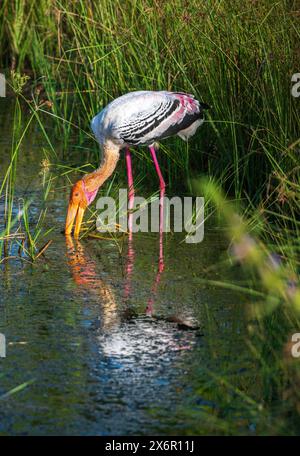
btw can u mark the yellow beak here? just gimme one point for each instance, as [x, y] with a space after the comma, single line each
[78, 223]
[73, 211]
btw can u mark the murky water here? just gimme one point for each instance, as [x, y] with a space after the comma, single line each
[101, 336]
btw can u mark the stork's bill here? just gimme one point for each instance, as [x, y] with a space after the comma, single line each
[77, 206]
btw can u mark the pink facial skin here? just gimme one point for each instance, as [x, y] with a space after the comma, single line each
[90, 196]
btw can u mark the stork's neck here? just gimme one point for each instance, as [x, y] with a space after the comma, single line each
[110, 157]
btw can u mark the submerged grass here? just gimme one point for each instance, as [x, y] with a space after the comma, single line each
[237, 57]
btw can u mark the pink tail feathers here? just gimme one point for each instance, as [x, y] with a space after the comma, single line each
[188, 102]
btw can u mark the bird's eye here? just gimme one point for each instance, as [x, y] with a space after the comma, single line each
[76, 194]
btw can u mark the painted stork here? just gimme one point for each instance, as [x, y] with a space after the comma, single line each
[134, 119]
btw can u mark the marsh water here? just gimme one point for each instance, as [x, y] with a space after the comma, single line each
[100, 338]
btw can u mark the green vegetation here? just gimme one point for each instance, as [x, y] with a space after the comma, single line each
[66, 60]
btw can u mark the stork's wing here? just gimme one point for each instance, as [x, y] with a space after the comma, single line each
[156, 115]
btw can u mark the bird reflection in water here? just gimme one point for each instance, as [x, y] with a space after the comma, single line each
[129, 267]
[123, 336]
[85, 275]
[125, 339]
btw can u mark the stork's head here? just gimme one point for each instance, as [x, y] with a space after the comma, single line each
[80, 198]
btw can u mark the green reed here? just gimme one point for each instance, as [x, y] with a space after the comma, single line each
[237, 58]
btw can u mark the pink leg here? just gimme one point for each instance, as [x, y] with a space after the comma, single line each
[130, 190]
[162, 186]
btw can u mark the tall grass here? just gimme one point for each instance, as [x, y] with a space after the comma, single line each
[239, 58]
[15, 225]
